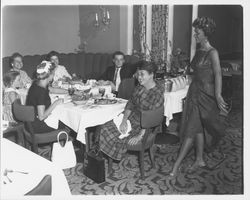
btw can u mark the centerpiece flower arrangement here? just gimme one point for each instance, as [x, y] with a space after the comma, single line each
[175, 62]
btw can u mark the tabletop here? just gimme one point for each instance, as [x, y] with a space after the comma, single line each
[80, 117]
[17, 158]
[173, 103]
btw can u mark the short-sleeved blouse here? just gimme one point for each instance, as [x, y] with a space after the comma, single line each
[24, 78]
[38, 96]
[61, 72]
[7, 103]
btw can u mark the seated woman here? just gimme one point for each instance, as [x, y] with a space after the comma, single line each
[16, 63]
[38, 96]
[11, 82]
[60, 72]
[148, 95]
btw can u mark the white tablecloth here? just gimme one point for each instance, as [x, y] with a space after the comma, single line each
[79, 117]
[18, 158]
[173, 103]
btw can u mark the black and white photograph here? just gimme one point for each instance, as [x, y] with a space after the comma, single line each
[137, 99]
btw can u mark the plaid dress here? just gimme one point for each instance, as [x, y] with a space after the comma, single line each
[142, 99]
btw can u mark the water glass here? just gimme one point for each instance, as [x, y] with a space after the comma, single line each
[102, 91]
[71, 90]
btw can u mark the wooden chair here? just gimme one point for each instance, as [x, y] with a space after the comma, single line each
[151, 120]
[15, 129]
[43, 188]
[126, 88]
[26, 114]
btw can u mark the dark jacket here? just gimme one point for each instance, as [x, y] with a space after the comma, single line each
[127, 71]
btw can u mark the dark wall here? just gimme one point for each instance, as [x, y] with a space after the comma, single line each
[182, 27]
[228, 37]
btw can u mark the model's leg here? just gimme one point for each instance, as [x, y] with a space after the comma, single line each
[199, 151]
[183, 152]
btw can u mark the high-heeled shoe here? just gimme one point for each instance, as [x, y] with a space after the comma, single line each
[174, 175]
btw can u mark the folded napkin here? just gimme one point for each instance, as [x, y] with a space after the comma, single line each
[118, 120]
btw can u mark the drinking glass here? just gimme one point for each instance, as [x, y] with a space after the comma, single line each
[102, 91]
[71, 90]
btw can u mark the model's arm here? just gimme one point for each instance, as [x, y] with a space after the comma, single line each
[218, 80]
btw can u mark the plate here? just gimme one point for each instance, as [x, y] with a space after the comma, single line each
[83, 97]
[105, 101]
[82, 102]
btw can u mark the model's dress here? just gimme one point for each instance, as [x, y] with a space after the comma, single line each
[142, 99]
[201, 110]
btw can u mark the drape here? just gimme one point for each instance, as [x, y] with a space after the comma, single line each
[159, 33]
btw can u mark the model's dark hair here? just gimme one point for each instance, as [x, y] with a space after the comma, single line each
[13, 56]
[206, 24]
[9, 78]
[50, 54]
[118, 53]
[150, 67]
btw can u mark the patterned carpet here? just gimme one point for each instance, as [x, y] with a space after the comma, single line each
[226, 178]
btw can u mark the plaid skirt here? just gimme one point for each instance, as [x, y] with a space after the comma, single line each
[110, 143]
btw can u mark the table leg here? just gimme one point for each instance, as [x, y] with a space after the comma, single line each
[87, 147]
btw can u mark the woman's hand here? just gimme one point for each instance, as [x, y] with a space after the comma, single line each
[134, 140]
[221, 103]
[123, 127]
[58, 101]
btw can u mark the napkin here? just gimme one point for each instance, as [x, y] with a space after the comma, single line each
[118, 120]
[67, 99]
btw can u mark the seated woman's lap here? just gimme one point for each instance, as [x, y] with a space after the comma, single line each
[110, 143]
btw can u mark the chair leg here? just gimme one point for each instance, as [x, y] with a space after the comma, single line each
[110, 164]
[141, 163]
[151, 155]
[20, 137]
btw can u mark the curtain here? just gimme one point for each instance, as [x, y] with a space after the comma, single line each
[159, 33]
[139, 31]
[142, 27]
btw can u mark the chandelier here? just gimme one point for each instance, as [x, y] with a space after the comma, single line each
[102, 18]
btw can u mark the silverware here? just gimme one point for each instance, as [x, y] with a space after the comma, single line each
[5, 174]
[10, 170]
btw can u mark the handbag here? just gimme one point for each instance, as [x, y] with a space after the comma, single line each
[94, 167]
[63, 156]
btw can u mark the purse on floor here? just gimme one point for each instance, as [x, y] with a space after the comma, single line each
[94, 167]
[63, 156]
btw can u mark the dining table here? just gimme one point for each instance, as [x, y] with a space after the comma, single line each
[80, 117]
[173, 103]
[22, 170]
